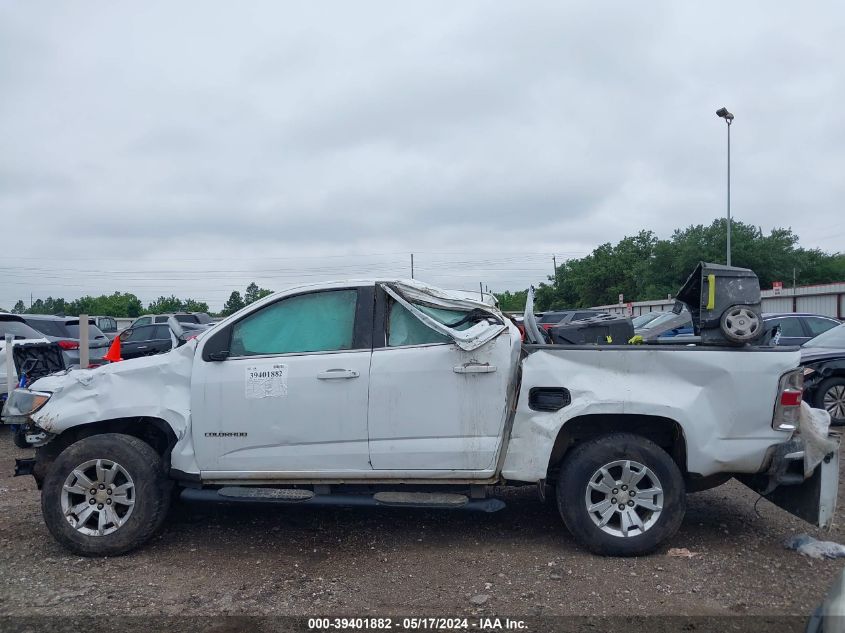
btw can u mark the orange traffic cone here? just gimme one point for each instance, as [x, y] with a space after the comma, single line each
[113, 355]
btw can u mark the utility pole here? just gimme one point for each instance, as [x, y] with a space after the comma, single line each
[481, 289]
[412, 265]
[554, 267]
[723, 113]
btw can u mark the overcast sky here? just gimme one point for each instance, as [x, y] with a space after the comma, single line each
[191, 147]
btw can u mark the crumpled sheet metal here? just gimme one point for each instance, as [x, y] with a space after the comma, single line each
[418, 291]
[722, 399]
[151, 386]
[469, 339]
[813, 425]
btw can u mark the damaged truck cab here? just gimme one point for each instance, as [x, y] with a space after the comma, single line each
[395, 393]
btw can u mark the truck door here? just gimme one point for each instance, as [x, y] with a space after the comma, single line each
[434, 405]
[284, 388]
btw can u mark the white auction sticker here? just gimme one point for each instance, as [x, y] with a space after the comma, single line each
[267, 381]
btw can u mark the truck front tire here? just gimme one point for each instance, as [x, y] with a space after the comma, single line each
[105, 495]
[620, 494]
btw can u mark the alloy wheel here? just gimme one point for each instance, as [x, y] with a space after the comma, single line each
[624, 498]
[98, 497]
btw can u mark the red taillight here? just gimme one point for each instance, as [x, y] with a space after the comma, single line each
[790, 398]
[68, 344]
[788, 404]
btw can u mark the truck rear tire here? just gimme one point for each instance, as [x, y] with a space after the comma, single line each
[105, 495]
[621, 494]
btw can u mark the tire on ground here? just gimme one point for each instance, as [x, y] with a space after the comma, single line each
[151, 494]
[585, 460]
[824, 387]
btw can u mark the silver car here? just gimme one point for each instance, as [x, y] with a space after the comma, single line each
[64, 331]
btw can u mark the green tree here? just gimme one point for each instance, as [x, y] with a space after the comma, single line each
[512, 301]
[192, 305]
[644, 267]
[233, 303]
[163, 305]
[20, 307]
[254, 293]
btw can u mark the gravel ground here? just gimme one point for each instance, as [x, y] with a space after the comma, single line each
[216, 560]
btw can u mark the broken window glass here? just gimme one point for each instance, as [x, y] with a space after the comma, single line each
[406, 329]
[316, 322]
[450, 318]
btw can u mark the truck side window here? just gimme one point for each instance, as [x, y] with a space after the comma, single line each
[406, 329]
[316, 322]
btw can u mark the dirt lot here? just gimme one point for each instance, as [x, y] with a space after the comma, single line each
[274, 561]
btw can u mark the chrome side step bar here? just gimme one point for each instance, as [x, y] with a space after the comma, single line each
[295, 496]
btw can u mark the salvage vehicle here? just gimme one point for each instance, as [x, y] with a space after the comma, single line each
[188, 318]
[148, 340]
[823, 359]
[393, 393]
[65, 332]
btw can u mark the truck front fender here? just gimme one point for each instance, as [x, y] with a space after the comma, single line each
[148, 387]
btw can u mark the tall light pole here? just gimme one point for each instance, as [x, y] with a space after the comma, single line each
[728, 117]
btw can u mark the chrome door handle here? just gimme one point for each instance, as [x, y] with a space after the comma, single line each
[474, 368]
[332, 374]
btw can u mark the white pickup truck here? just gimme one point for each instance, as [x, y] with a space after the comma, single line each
[394, 393]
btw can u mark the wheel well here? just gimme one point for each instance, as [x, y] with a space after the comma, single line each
[154, 431]
[664, 432]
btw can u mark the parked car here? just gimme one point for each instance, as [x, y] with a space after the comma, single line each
[796, 328]
[148, 340]
[108, 326]
[823, 359]
[394, 394]
[561, 317]
[186, 318]
[15, 325]
[65, 332]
